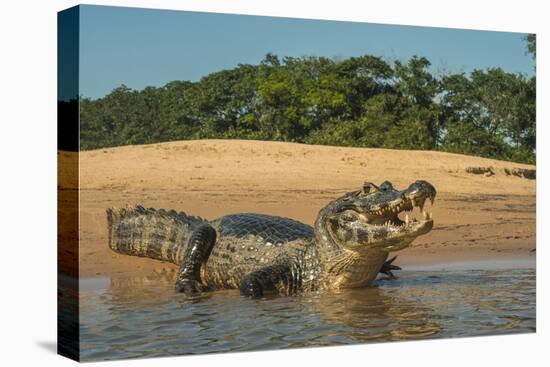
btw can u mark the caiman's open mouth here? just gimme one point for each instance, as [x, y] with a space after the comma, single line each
[389, 216]
[398, 213]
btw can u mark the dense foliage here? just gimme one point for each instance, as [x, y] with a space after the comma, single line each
[361, 101]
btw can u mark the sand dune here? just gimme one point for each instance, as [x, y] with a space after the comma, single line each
[476, 216]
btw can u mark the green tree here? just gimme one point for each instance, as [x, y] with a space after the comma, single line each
[532, 44]
[360, 101]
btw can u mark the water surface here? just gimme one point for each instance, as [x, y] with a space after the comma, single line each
[132, 318]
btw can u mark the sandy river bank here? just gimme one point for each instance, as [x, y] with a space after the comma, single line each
[477, 217]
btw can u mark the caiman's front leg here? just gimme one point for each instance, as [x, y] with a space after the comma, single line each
[198, 250]
[254, 284]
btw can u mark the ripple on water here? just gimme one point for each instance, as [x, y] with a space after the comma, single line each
[147, 319]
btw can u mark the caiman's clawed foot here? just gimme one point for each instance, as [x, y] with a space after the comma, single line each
[251, 288]
[255, 283]
[189, 286]
[388, 267]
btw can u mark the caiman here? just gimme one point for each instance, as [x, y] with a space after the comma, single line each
[347, 247]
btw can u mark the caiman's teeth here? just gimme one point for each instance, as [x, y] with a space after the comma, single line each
[430, 215]
[425, 215]
[407, 219]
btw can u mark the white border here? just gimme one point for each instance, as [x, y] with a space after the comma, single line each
[28, 179]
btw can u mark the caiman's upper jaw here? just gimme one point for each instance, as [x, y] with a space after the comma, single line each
[389, 215]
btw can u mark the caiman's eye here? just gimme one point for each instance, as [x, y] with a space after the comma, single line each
[386, 186]
[369, 187]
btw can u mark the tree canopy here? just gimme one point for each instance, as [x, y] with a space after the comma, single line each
[360, 101]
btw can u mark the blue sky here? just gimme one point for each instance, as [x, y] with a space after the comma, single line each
[143, 47]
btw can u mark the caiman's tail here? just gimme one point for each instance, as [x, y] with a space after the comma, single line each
[157, 234]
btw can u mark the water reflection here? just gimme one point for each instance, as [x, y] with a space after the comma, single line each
[67, 316]
[377, 314]
[145, 317]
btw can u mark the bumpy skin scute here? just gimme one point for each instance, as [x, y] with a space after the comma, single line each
[260, 253]
[271, 229]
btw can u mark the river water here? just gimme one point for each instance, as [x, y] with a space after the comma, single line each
[134, 318]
